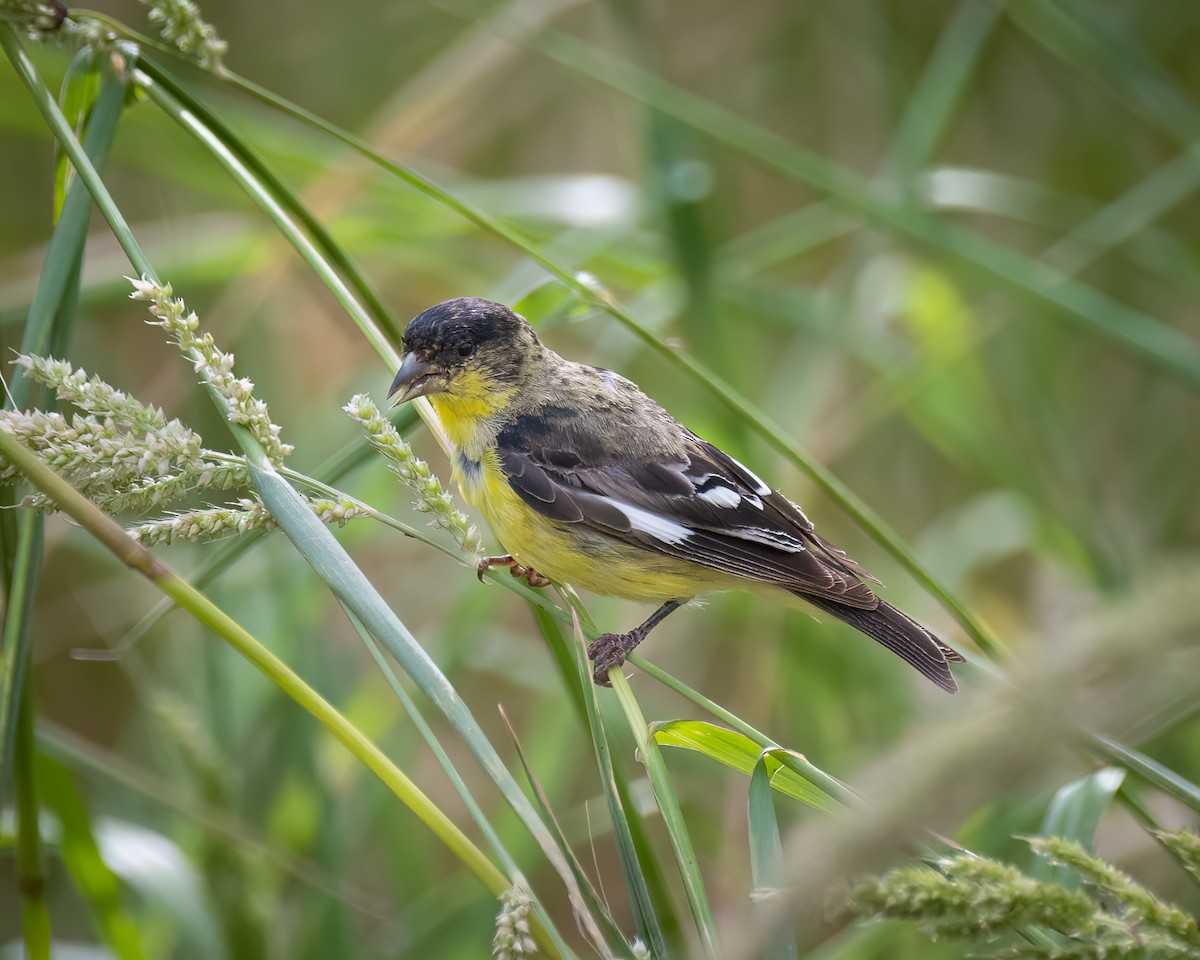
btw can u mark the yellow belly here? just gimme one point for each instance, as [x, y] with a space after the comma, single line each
[570, 553]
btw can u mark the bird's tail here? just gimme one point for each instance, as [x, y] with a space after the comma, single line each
[901, 634]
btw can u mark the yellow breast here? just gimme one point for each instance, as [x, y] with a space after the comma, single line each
[564, 552]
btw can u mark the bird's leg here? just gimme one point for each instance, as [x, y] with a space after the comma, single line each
[531, 576]
[486, 563]
[610, 649]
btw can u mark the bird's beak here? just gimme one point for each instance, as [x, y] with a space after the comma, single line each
[416, 378]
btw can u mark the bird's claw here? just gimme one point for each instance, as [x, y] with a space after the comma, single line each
[520, 572]
[607, 651]
[532, 577]
[486, 563]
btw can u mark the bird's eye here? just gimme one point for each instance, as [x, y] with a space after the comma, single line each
[466, 349]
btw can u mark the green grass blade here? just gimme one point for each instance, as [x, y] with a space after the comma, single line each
[31, 868]
[180, 99]
[1127, 216]
[784, 238]
[18, 614]
[347, 582]
[1153, 772]
[1105, 51]
[1076, 809]
[741, 753]
[939, 89]
[678, 181]
[668, 805]
[615, 938]
[652, 909]
[98, 886]
[766, 852]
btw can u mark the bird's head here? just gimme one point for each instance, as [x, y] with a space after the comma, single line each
[468, 349]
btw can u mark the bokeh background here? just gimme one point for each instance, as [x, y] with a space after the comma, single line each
[1042, 468]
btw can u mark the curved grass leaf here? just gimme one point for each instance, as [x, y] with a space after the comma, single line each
[1076, 809]
[1074, 814]
[741, 753]
[798, 763]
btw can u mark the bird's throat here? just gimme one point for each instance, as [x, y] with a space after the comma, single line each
[466, 420]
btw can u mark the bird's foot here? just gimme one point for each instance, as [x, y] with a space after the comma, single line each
[531, 576]
[610, 650]
[520, 572]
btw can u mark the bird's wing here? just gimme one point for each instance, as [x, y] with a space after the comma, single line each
[687, 500]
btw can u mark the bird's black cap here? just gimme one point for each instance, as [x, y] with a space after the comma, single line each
[465, 322]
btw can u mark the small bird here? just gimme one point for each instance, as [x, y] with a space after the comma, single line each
[586, 480]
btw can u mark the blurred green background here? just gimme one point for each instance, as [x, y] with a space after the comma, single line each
[1038, 466]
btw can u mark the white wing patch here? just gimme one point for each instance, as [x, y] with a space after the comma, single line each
[720, 496]
[659, 527]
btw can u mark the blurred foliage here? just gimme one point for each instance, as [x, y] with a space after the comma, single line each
[1040, 465]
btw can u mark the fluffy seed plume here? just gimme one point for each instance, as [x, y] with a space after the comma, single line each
[247, 515]
[128, 458]
[213, 364]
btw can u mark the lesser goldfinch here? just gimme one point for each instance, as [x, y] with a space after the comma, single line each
[586, 480]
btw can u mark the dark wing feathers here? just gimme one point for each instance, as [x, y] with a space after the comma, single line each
[707, 508]
[692, 501]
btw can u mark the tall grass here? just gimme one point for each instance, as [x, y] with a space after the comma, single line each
[986, 351]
